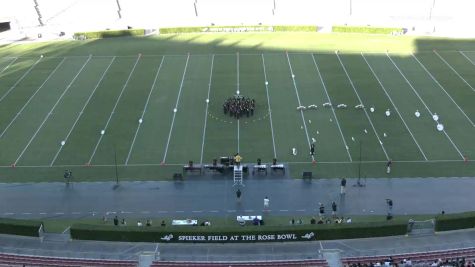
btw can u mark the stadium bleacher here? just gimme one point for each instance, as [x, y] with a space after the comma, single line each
[316, 263]
[423, 258]
[25, 260]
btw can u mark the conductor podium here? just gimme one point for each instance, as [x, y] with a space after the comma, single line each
[237, 175]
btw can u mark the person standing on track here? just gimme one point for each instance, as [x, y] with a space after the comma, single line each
[266, 203]
[343, 186]
[388, 166]
[238, 195]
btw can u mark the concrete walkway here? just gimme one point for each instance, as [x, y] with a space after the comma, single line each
[216, 197]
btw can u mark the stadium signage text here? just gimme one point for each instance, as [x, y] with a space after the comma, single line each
[238, 238]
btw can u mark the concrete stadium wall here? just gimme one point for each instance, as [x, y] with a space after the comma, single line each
[76, 15]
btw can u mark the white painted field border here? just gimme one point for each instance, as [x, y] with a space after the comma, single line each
[52, 109]
[206, 110]
[443, 89]
[395, 107]
[425, 105]
[332, 108]
[176, 108]
[81, 112]
[454, 70]
[31, 97]
[144, 110]
[19, 80]
[237, 85]
[298, 99]
[469, 59]
[290, 162]
[361, 102]
[268, 104]
[113, 109]
[9, 64]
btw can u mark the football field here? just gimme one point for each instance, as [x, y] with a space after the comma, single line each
[150, 114]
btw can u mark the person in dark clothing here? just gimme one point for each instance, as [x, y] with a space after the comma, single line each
[312, 149]
[116, 221]
[238, 194]
[321, 210]
[333, 208]
[390, 208]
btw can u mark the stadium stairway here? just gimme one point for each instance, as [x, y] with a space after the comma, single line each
[333, 257]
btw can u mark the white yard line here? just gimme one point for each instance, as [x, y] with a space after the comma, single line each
[453, 69]
[395, 107]
[176, 108]
[237, 85]
[424, 103]
[19, 80]
[332, 108]
[268, 104]
[52, 109]
[144, 110]
[81, 112]
[469, 59]
[443, 89]
[67, 229]
[298, 99]
[113, 109]
[206, 111]
[7, 66]
[364, 109]
[31, 97]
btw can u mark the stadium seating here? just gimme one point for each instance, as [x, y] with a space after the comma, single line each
[317, 263]
[22, 260]
[422, 257]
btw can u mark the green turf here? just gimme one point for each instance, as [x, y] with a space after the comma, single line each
[60, 225]
[69, 96]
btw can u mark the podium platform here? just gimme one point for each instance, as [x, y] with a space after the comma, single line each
[237, 175]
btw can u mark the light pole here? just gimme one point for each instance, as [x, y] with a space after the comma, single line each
[116, 169]
[358, 182]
